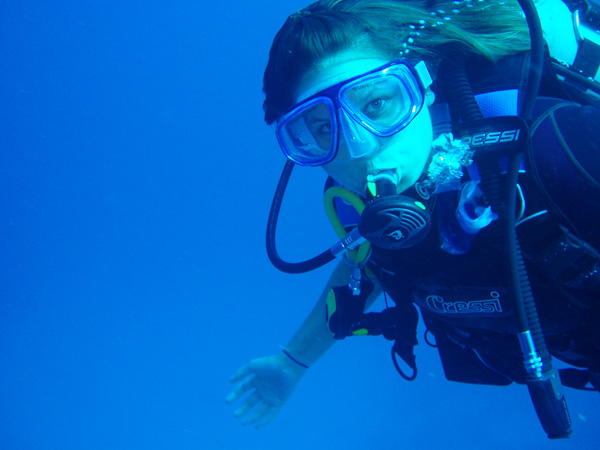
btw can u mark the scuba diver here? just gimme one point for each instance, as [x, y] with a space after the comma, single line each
[464, 182]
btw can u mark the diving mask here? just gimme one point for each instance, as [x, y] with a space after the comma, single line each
[378, 103]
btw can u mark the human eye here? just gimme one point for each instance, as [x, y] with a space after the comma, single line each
[376, 107]
[323, 129]
[375, 99]
[318, 120]
[320, 128]
[321, 132]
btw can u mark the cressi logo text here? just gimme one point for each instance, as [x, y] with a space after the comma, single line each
[486, 306]
[493, 137]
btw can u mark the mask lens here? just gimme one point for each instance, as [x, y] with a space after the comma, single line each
[307, 134]
[384, 102]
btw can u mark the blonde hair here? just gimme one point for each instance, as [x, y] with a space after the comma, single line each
[412, 29]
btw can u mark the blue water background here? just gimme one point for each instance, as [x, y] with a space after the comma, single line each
[136, 176]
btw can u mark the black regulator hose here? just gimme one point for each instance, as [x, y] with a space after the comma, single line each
[544, 382]
[542, 379]
[284, 266]
[536, 65]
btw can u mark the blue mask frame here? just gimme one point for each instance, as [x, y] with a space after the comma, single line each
[414, 81]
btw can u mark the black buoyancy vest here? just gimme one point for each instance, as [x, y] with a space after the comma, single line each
[464, 299]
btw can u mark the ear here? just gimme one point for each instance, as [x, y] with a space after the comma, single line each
[429, 97]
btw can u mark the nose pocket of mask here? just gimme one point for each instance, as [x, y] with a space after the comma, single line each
[358, 139]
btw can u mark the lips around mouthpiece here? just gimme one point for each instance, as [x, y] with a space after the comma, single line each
[377, 182]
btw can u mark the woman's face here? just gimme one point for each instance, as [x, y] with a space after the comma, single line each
[405, 153]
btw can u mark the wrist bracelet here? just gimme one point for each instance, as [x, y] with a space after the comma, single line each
[285, 352]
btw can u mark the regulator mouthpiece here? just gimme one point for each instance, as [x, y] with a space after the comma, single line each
[390, 220]
[383, 183]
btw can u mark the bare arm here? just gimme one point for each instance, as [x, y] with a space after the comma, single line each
[313, 339]
[270, 381]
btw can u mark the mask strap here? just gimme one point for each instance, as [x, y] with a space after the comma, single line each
[423, 73]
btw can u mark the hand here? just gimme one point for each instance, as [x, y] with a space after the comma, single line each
[271, 380]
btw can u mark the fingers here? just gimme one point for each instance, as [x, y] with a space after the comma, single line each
[271, 412]
[240, 389]
[250, 403]
[262, 381]
[261, 416]
[240, 374]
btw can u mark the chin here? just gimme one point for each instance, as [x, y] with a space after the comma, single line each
[358, 190]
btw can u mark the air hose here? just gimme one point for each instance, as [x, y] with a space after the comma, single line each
[360, 254]
[284, 266]
[544, 383]
[352, 242]
[543, 380]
